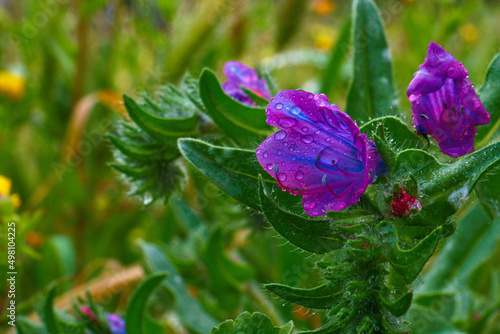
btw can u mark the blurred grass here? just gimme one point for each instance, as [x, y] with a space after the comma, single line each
[64, 51]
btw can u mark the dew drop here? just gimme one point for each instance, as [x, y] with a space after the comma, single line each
[309, 205]
[282, 177]
[296, 110]
[307, 139]
[279, 152]
[280, 135]
[310, 95]
[287, 122]
[285, 144]
[317, 132]
[305, 129]
[299, 175]
[269, 166]
[279, 106]
[266, 154]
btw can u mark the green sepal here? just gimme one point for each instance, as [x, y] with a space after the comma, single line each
[408, 262]
[135, 316]
[322, 297]
[245, 125]
[55, 321]
[351, 221]
[164, 130]
[399, 307]
[255, 323]
[313, 235]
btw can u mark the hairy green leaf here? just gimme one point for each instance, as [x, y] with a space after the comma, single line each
[164, 130]
[244, 124]
[255, 323]
[372, 93]
[322, 297]
[313, 235]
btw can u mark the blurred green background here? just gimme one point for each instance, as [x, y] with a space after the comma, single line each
[63, 67]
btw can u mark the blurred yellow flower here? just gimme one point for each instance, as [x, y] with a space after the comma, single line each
[5, 187]
[12, 84]
[324, 42]
[324, 7]
[468, 32]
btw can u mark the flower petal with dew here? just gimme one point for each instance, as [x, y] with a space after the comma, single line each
[319, 152]
[445, 104]
[240, 75]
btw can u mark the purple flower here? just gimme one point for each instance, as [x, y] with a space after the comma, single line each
[116, 324]
[319, 153]
[240, 75]
[445, 104]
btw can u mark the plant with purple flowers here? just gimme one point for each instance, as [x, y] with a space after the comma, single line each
[358, 187]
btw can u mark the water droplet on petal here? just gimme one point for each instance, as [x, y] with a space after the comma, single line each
[287, 122]
[282, 177]
[279, 106]
[307, 139]
[266, 154]
[310, 95]
[299, 175]
[269, 166]
[309, 205]
[285, 144]
[305, 129]
[280, 135]
[279, 152]
[317, 132]
[296, 110]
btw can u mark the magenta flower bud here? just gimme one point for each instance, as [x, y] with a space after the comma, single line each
[403, 203]
[319, 152]
[240, 75]
[445, 104]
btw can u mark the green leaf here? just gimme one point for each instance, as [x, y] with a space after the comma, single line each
[223, 268]
[399, 307]
[313, 235]
[481, 280]
[58, 323]
[135, 318]
[386, 153]
[244, 124]
[143, 151]
[234, 170]
[490, 96]
[189, 310]
[399, 136]
[408, 262]
[26, 326]
[338, 54]
[164, 130]
[488, 191]
[445, 186]
[255, 323]
[259, 100]
[322, 297]
[372, 93]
